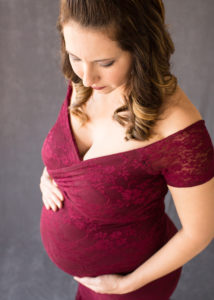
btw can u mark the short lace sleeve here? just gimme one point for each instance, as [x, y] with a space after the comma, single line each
[188, 158]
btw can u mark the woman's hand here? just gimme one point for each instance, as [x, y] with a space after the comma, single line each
[106, 284]
[51, 195]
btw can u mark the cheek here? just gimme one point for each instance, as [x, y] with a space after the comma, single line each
[117, 77]
[76, 68]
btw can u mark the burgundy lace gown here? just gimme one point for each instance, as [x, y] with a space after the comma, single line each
[113, 217]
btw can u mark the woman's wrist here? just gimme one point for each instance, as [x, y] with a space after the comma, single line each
[127, 284]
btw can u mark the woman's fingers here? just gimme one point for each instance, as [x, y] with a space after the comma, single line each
[50, 184]
[51, 195]
[52, 204]
[45, 203]
[56, 200]
[57, 191]
[51, 199]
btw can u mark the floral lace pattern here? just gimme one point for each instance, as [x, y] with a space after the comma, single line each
[113, 217]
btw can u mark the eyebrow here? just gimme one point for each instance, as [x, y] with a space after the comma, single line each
[98, 60]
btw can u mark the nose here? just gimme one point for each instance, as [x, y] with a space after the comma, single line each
[89, 76]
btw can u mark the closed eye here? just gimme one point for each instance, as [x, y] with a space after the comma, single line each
[75, 59]
[108, 65]
[102, 65]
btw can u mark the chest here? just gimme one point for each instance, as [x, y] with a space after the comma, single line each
[103, 136]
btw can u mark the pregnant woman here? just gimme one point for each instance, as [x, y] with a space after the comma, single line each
[126, 133]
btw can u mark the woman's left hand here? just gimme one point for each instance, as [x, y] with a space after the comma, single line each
[105, 284]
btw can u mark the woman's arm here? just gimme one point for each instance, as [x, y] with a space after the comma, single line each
[195, 208]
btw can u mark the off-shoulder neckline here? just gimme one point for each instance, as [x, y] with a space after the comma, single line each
[94, 159]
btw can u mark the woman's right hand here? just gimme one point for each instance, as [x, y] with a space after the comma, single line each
[51, 194]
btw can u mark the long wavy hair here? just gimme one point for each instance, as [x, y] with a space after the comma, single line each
[139, 27]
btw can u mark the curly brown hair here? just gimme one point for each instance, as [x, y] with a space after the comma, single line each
[139, 27]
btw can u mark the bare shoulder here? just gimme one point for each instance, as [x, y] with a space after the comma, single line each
[181, 113]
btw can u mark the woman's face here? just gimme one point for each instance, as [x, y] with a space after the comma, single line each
[96, 59]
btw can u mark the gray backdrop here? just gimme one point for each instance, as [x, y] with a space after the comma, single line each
[32, 90]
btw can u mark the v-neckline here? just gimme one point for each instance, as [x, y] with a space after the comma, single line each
[112, 155]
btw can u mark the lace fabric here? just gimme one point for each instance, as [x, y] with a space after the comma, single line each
[113, 217]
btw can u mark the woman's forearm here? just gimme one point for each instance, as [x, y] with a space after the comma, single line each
[174, 254]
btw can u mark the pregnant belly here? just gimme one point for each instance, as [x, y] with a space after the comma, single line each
[83, 248]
